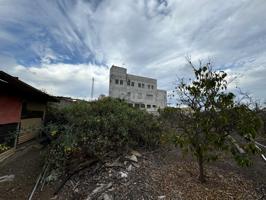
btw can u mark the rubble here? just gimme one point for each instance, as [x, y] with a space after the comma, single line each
[102, 188]
[7, 178]
[135, 153]
[123, 174]
[132, 158]
[155, 178]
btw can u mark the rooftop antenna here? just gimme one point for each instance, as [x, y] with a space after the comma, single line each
[92, 87]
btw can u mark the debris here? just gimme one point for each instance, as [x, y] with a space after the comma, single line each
[123, 174]
[132, 158]
[107, 197]
[129, 168]
[157, 177]
[40, 177]
[52, 177]
[136, 153]
[7, 178]
[102, 188]
[81, 167]
[116, 163]
[136, 165]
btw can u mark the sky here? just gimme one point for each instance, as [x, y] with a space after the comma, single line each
[59, 45]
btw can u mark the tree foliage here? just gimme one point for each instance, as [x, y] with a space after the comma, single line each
[212, 121]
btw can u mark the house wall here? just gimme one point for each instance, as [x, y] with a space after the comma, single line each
[139, 91]
[31, 124]
[10, 109]
[29, 129]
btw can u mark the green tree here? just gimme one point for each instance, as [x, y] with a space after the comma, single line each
[212, 121]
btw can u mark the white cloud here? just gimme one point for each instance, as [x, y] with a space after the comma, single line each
[148, 37]
[65, 79]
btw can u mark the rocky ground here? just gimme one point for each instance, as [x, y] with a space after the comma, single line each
[159, 174]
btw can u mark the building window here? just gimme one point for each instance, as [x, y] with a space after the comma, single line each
[148, 106]
[116, 81]
[154, 106]
[149, 86]
[152, 87]
[139, 85]
[129, 94]
[136, 105]
[143, 105]
[132, 84]
[121, 82]
[128, 82]
[142, 85]
[130, 104]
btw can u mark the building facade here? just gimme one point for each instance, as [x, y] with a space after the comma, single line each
[138, 91]
[22, 110]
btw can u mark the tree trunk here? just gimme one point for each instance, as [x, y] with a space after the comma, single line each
[201, 170]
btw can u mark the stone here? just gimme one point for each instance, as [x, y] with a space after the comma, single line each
[107, 197]
[123, 174]
[136, 153]
[136, 165]
[129, 168]
[132, 158]
[100, 189]
[162, 197]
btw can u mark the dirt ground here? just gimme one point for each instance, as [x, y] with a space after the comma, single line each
[26, 166]
[156, 175]
[167, 175]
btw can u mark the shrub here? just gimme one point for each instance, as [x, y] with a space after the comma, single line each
[100, 128]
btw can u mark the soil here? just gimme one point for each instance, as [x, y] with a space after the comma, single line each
[164, 175]
[157, 175]
[25, 165]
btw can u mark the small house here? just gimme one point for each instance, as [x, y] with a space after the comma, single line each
[22, 110]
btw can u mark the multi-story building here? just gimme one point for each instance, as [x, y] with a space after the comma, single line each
[138, 91]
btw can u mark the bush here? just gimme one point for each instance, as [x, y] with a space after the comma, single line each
[96, 129]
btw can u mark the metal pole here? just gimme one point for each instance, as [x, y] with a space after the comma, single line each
[92, 87]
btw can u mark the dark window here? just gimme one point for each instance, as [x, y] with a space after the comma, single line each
[154, 106]
[143, 105]
[152, 87]
[7, 132]
[128, 82]
[139, 84]
[132, 84]
[136, 105]
[142, 85]
[121, 82]
[130, 104]
[148, 106]
[25, 113]
[116, 81]
[149, 87]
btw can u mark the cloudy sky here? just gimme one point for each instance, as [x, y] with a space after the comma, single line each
[60, 45]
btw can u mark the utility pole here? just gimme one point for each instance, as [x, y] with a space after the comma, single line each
[92, 88]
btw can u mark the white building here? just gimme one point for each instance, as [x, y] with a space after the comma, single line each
[138, 91]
